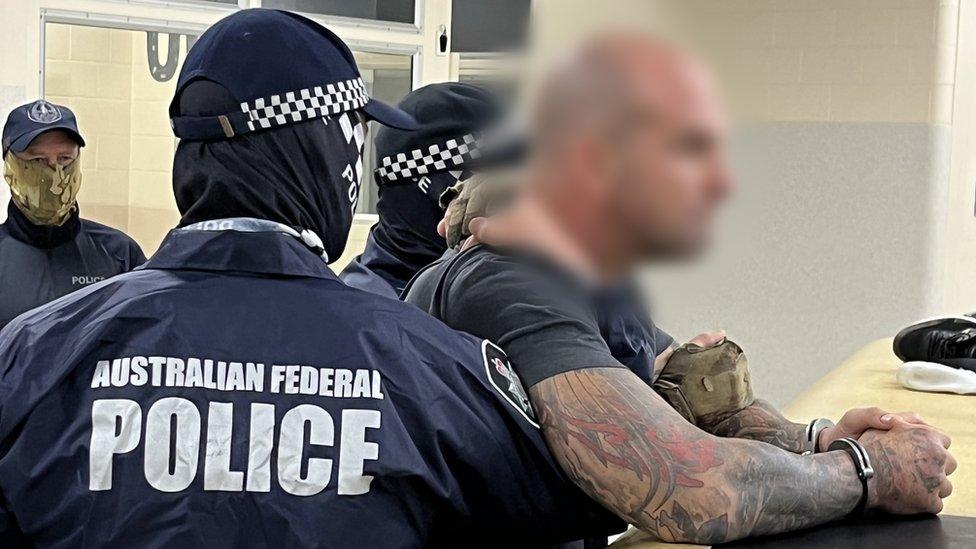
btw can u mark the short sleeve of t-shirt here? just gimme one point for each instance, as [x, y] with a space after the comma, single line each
[541, 317]
[662, 340]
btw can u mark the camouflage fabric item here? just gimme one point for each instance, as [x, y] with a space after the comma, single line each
[706, 385]
[480, 195]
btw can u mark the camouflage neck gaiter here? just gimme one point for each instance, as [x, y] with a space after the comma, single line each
[44, 194]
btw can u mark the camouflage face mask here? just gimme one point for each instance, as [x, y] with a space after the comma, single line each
[44, 194]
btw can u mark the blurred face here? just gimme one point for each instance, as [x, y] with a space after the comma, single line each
[54, 148]
[669, 172]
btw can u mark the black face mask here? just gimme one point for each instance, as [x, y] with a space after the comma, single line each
[306, 175]
[408, 217]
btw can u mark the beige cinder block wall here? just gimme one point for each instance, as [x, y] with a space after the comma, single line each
[151, 207]
[103, 75]
[88, 69]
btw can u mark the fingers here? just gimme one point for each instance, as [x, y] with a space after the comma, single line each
[468, 242]
[856, 421]
[940, 435]
[917, 467]
[908, 417]
[662, 359]
[708, 339]
[481, 229]
[950, 464]
[945, 489]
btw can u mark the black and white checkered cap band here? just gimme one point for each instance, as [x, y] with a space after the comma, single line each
[306, 104]
[437, 157]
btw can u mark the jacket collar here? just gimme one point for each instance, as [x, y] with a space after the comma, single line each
[41, 236]
[267, 253]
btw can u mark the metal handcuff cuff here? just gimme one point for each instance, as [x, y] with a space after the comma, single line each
[853, 448]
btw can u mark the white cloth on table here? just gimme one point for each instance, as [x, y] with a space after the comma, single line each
[936, 378]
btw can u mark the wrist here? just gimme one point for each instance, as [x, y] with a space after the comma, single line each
[824, 438]
[875, 483]
[874, 501]
[819, 435]
[861, 461]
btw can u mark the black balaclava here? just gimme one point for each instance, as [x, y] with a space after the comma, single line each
[408, 216]
[408, 207]
[305, 175]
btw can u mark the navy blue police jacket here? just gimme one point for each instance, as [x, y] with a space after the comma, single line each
[233, 392]
[40, 263]
[376, 270]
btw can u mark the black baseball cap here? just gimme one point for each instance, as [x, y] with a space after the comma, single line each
[459, 127]
[26, 122]
[282, 68]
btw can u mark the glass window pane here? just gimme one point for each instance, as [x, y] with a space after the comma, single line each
[397, 11]
[484, 27]
[388, 78]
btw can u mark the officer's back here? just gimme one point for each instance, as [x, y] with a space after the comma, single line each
[233, 392]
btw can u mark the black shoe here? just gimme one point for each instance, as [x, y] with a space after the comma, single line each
[937, 340]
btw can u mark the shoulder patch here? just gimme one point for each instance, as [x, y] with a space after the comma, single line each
[504, 379]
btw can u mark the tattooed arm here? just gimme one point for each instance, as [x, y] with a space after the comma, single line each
[630, 451]
[761, 421]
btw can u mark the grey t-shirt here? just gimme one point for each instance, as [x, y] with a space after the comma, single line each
[547, 320]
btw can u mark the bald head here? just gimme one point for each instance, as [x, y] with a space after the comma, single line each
[613, 82]
[629, 132]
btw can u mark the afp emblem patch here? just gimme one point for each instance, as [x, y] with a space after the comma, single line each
[504, 379]
[43, 112]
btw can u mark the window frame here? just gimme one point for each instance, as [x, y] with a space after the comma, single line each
[194, 17]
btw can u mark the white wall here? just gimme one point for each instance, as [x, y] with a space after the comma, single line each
[960, 223]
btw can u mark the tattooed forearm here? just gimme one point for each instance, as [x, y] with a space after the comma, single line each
[760, 421]
[630, 451]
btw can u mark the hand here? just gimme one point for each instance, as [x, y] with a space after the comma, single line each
[704, 340]
[858, 420]
[482, 230]
[911, 464]
[707, 340]
[480, 196]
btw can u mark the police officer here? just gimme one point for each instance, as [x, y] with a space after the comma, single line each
[413, 170]
[46, 249]
[232, 391]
